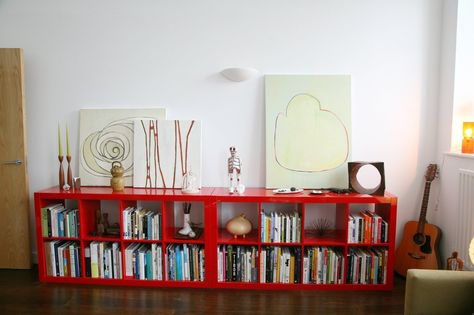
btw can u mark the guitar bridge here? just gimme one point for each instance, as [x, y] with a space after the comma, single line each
[416, 256]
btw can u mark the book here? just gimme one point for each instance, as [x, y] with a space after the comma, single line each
[129, 259]
[77, 257]
[87, 257]
[149, 265]
[46, 230]
[115, 260]
[72, 260]
[94, 248]
[44, 222]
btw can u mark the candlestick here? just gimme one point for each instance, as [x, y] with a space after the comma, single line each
[60, 150]
[69, 170]
[68, 150]
[61, 172]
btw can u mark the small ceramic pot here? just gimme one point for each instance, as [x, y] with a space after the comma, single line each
[239, 225]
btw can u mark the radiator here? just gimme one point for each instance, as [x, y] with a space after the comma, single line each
[465, 216]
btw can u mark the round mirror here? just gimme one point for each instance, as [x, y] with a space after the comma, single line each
[369, 177]
[366, 178]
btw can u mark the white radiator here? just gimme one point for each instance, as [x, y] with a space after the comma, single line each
[465, 215]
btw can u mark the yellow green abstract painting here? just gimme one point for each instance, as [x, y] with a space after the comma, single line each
[308, 130]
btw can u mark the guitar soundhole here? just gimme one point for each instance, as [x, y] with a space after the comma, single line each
[426, 247]
[424, 241]
[419, 239]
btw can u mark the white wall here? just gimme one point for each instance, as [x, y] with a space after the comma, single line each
[124, 53]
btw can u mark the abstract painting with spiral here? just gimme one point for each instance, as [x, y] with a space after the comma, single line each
[164, 151]
[106, 136]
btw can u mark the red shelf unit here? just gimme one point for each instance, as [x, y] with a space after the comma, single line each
[212, 207]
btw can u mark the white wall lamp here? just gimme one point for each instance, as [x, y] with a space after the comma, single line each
[471, 251]
[239, 74]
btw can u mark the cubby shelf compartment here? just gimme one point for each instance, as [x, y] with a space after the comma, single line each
[211, 209]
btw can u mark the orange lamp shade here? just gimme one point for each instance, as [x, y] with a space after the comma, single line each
[468, 137]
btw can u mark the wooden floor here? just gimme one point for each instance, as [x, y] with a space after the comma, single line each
[21, 293]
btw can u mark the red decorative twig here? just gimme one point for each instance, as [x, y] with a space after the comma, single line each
[187, 141]
[157, 152]
[175, 152]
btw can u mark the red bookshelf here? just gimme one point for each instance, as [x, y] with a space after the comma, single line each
[211, 209]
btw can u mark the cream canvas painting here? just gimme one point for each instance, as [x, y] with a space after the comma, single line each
[164, 151]
[106, 135]
[308, 128]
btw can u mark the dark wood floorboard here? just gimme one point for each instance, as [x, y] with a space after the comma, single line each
[21, 293]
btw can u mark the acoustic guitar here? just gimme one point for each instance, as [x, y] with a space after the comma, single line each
[419, 246]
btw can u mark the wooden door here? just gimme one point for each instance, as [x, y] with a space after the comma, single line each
[14, 204]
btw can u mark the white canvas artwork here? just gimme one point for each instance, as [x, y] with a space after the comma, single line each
[106, 136]
[164, 151]
[308, 130]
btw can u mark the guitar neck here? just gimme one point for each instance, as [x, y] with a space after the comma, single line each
[424, 207]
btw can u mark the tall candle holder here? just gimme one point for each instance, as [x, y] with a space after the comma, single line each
[69, 170]
[61, 172]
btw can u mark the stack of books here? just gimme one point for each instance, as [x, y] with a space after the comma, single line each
[280, 264]
[63, 258]
[103, 260]
[367, 265]
[141, 224]
[237, 263]
[280, 227]
[323, 265]
[367, 227]
[144, 261]
[184, 262]
[57, 221]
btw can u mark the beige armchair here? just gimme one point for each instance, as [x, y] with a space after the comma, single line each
[442, 292]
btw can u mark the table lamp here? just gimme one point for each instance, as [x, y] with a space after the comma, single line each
[468, 137]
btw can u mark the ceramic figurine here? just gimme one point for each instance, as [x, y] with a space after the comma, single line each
[99, 223]
[234, 167]
[454, 262]
[239, 225]
[117, 182]
[187, 230]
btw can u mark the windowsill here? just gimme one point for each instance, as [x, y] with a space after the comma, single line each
[460, 155]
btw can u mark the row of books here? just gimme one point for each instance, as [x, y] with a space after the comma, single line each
[184, 262]
[280, 265]
[237, 263]
[367, 265]
[63, 258]
[57, 221]
[144, 261]
[279, 227]
[103, 260]
[141, 224]
[367, 227]
[323, 265]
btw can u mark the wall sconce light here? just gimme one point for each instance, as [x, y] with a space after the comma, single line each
[471, 251]
[468, 137]
[239, 74]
